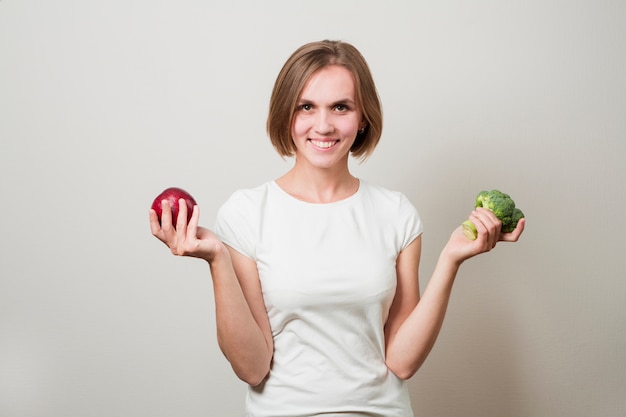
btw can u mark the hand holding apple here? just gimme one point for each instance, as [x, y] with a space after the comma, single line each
[173, 195]
[194, 241]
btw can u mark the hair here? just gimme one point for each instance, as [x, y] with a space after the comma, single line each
[301, 65]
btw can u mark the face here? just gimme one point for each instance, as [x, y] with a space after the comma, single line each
[327, 119]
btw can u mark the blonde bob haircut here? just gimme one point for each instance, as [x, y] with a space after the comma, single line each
[300, 66]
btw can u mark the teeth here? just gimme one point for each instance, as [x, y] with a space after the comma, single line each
[323, 144]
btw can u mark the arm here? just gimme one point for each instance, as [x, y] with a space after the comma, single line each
[243, 329]
[413, 324]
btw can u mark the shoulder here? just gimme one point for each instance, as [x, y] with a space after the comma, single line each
[395, 211]
[250, 194]
[245, 199]
[242, 206]
[382, 195]
[237, 221]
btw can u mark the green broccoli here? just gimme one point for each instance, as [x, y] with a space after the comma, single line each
[502, 205]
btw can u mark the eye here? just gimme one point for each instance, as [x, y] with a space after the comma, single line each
[305, 107]
[341, 107]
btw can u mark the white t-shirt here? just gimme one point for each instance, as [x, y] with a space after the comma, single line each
[328, 278]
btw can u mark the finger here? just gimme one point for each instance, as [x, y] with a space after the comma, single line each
[192, 227]
[166, 216]
[181, 222]
[488, 217]
[155, 225]
[183, 234]
[495, 226]
[481, 230]
[488, 226]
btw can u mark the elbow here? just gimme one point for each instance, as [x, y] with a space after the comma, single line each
[253, 378]
[250, 367]
[252, 372]
[403, 371]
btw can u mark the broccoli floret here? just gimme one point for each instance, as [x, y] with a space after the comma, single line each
[512, 224]
[502, 205]
[482, 196]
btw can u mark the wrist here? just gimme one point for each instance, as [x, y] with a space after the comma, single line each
[218, 255]
[448, 260]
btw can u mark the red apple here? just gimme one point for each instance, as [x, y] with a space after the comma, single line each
[172, 195]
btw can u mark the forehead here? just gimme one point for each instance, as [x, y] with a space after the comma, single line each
[331, 81]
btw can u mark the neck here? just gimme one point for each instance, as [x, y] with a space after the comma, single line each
[318, 186]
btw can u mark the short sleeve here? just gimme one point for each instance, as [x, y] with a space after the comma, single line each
[235, 224]
[410, 222]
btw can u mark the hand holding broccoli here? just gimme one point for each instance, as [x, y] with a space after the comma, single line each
[500, 204]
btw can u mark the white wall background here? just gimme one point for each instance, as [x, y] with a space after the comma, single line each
[105, 103]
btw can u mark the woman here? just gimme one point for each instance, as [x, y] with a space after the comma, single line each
[315, 274]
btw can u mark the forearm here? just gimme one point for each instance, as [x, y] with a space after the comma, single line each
[240, 337]
[409, 347]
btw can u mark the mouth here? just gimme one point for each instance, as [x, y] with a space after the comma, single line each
[323, 144]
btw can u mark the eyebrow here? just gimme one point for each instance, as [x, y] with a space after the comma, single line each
[334, 103]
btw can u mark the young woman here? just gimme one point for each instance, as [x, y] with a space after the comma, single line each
[315, 274]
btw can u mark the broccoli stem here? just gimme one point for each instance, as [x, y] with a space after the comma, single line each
[469, 230]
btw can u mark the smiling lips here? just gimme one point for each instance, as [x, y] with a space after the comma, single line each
[324, 144]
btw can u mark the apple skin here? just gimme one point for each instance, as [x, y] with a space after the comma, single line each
[172, 195]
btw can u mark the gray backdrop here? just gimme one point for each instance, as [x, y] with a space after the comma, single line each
[105, 103]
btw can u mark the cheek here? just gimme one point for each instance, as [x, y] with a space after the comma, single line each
[298, 127]
[349, 127]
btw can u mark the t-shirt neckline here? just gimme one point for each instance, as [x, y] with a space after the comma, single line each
[290, 197]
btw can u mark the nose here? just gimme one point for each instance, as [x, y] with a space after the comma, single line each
[323, 123]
